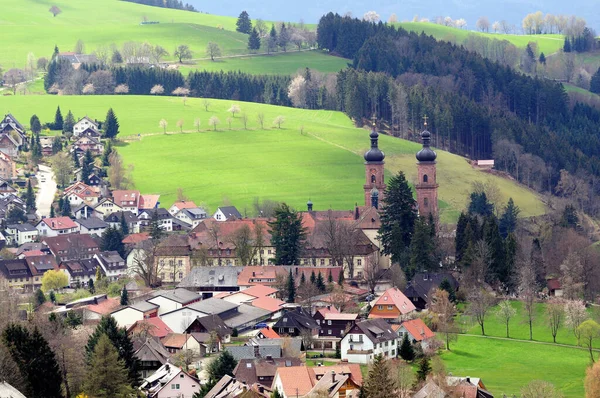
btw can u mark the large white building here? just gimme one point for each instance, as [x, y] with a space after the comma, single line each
[368, 339]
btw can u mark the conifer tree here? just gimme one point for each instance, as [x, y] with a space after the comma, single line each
[253, 40]
[40, 298]
[30, 198]
[313, 278]
[302, 279]
[447, 286]
[421, 249]
[76, 163]
[90, 286]
[320, 282]
[124, 296]
[291, 288]
[52, 212]
[69, 123]
[424, 369]
[243, 24]
[379, 382]
[56, 145]
[480, 205]
[407, 352]
[287, 235]
[398, 217]
[595, 82]
[124, 225]
[156, 232]
[52, 298]
[58, 120]
[508, 220]
[330, 278]
[111, 125]
[106, 154]
[106, 372]
[66, 208]
[340, 280]
[35, 125]
[498, 270]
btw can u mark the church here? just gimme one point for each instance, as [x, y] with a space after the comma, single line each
[426, 184]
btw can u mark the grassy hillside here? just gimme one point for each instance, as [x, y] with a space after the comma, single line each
[547, 44]
[30, 27]
[323, 163]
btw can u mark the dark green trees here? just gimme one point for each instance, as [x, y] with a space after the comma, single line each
[595, 82]
[422, 249]
[106, 375]
[35, 125]
[156, 232]
[124, 225]
[253, 40]
[243, 24]
[221, 366]
[379, 382]
[287, 235]
[30, 198]
[407, 351]
[508, 220]
[111, 125]
[398, 217]
[69, 123]
[124, 296]
[112, 239]
[58, 120]
[291, 288]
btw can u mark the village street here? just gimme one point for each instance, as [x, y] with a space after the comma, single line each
[46, 191]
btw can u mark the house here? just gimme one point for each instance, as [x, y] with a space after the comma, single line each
[77, 59]
[191, 217]
[333, 323]
[226, 213]
[211, 323]
[8, 391]
[9, 202]
[114, 220]
[229, 387]
[267, 333]
[16, 273]
[369, 338]
[132, 313]
[56, 226]
[554, 287]
[84, 211]
[466, 387]
[208, 281]
[148, 202]
[296, 322]
[106, 206]
[113, 265]
[88, 143]
[416, 330]
[154, 327]
[170, 300]
[423, 283]
[180, 205]
[151, 354]
[83, 124]
[177, 342]
[95, 312]
[127, 200]
[257, 275]
[19, 234]
[302, 381]
[172, 257]
[80, 272]
[262, 370]
[38, 265]
[6, 188]
[165, 220]
[170, 381]
[91, 226]
[46, 144]
[392, 306]
[430, 390]
[71, 247]
[79, 193]
[8, 169]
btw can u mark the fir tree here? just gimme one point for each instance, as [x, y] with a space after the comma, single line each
[112, 240]
[111, 125]
[313, 278]
[52, 213]
[66, 208]
[398, 217]
[35, 125]
[407, 352]
[508, 220]
[424, 369]
[30, 198]
[58, 120]
[421, 249]
[291, 288]
[340, 280]
[330, 278]
[76, 163]
[569, 217]
[302, 279]
[253, 40]
[56, 145]
[124, 296]
[447, 286]
[90, 286]
[243, 24]
[87, 164]
[542, 59]
[120, 340]
[106, 154]
[480, 205]
[53, 298]
[124, 225]
[595, 82]
[156, 232]
[510, 258]
[69, 123]
[106, 374]
[40, 298]
[320, 282]
[379, 382]
[497, 269]
[287, 235]
[35, 360]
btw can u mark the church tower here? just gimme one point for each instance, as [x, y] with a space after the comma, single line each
[427, 187]
[375, 184]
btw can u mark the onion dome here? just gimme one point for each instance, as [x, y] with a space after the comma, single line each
[426, 154]
[374, 154]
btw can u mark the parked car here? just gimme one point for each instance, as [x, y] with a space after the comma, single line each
[261, 325]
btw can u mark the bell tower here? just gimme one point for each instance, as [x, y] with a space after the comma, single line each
[374, 171]
[427, 187]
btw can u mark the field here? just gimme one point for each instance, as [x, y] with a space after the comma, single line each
[323, 163]
[547, 44]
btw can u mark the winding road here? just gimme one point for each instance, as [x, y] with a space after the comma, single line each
[46, 191]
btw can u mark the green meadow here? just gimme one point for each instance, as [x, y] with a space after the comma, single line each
[547, 44]
[315, 154]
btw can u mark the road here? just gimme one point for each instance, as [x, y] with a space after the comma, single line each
[46, 191]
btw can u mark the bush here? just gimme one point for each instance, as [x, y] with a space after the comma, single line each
[234, 333]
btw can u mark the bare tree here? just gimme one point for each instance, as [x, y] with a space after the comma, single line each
[405, 379]
[540, 388]
[157, 52]
[397, 277]
[145, 262]
[229, 120]
[79, 47]
[483, 24]
[197, 124]
[338, 298]
[88, 89]
[213, 50]
[122, 89]
[234, 108]
[261, 120]
[55, 10]
[182, 52]
[480, 302]
[214, 122]
[307, 292]
[371, 272]
[505, 313]
[180, 125]
[118, 176]
[572, 278]
[243, 241]
[443, 312]
[103, 82]
[157, 89]
[555, 313]
[278, 121]
[244, 119]
[527, 293]
[14, 77]
[42, 63]
[163, 124]
[206, 104]
[575, 315]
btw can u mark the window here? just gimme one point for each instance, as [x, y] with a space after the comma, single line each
[180, 263]
[171, 263]
[322, 261]
[318, 321]
[425, 178]
[329, 331]
[181, 376]
[390, 307]
[359, 262]
[162, 263]
[425, 202]
[360, 338]
[171, 275]
[181, 275]
[373, 179]
[329, 322]
[380, 307]
[262, 252]
[291, 330]
[359, 274]
[269, 251]
[330, 261]
[175, 386]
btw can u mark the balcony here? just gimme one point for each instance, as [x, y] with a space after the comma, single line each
[359, 352]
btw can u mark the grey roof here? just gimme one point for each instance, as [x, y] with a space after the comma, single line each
[182, 224]
[92, 223]
[298, 319]
[197, 213]
[246, 314]
[294, 343]
[143, 306]
[213, 306]
[179, 295]
[211, 277]
[376, 330]
[22, 227]
[213, 323]
[152, 350]
[248, 351]
[116, 217]
[230, 211]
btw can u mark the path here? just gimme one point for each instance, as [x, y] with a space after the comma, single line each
[526, 341]
[46, 191]
[248, 55]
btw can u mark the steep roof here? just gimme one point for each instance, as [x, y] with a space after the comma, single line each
[213, 323]
[230, 211]
[175, 340]
[105, 307]
[296, 380]
[153, 326]
[417, 329]
[296, 318]
[64, 243]
[58, 223]
[249, 370]
[126, 197]
[267, 303]
[136, 238]
[92, 223]
[210, 277]
[40, 264]
[394, 296]
[269, 333]
[148, 201]
[423, 282]
[151, 350]
[376, 330]
[184, 204]
[178, 295]
[202, 234]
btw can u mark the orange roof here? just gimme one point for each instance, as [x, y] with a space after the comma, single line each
[175, 340]
[154, 326]
[417, 329]
[185, 204]
[59, 223]
[32, 253]
[395, 297]
[105, 307]
[352, 369]
[269, 333]
[122, 197]
[259, 291]
[149, 201]
[296, 380]
[136, 238]
[267, 303]
[327, 310]
[257, 275]
[340, 316]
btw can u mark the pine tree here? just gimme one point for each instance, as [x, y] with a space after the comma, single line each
[111, 125]
[447, 286]
[106, 373]
[124, 225]
[480, 205]
[120, 340]
[30, 198]
[76, 163]
[112, 240]
[106, 154]
[40, 298]
[58, 120]
[379, 383]
[407, 352]
[542, 59]
[569, 217]
[287, 235]
[52, 212]
[330, 278]
[90, 286]
[320, 282]
[66, 208]
[340, 280]
[302, 279]
[497, 270]
[508, 220]
[35, 125]
[156, 232]
[69, 123]
[398, 217]
[35, 360]
[291, 288]
[243, 24]
[124, 296]
[595, 82]
[87, 164]
[253, 40]
[421, 249]
[424, 369]
[53, 298]
[313, 278]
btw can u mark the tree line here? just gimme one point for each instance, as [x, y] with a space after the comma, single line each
[175, 4]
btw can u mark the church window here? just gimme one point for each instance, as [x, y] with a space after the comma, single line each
[373, 179]
[425, 202]
[425, 178]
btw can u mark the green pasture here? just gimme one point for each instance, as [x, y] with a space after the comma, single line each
[323, 162]
[547, 44]
[506, 366]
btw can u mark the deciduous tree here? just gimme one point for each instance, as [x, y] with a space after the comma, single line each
[505, 313]
[555, 315]
[443, 312]
[54, 280]
[213, 50]
[540, 388]
[182, 52]
[575, 315]
[589, 331]
[55, 10]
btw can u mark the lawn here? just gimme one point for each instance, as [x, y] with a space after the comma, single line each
[506, 366]
[547, 44]
[323, 163]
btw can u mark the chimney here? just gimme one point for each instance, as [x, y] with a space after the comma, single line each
[333, 376]
[269, 358]
[261, 389]
[309, 205]
[356, 212]
[253, 273]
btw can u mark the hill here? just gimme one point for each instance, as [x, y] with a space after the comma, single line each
[30, 27]
[323, 163]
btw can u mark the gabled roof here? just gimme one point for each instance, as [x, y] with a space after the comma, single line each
[183, 204]
[213, 323]
[124, 197]
[212, 306]
[153, 326]
[136, 238]
[151, 350]
[376, 330]
[105, 307]
[91, 223]
[22, 227]
[230, 211]
[148, 201]
[58, 223]
[269, 333]
[249, 370]
[423, 282]
[116, 217]
[296, 380]
[296, 318]
[175, 340]
[179, 295]
[195, 214]
[162, 378]
[417, 329]
[40, 264]
[259, 291]
[337, 316]
[267, 303]
[89, 120]
[395, 297]
[211, 276]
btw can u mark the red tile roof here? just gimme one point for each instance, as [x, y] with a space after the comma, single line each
[397, 298]
[149, 201]
[296, 380]
[417, 329]
[105, 307]
[553, 284]
[185, 204]
[269, 333]
[154, 326]
[33, 253]
[136, 238]
[201, 234]
[267, 303]
[258, 275]
[259, 291]
[58, 223]
[175, 340]
[122, 198]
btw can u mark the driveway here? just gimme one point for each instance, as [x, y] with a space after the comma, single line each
[46, 191]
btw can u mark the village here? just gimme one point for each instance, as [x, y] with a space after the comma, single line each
[192, 288]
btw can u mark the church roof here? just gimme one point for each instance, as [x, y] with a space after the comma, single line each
[374, 154]
[426, 154]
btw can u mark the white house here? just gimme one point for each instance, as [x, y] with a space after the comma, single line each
[91, 226]
[18, 234]
[179, 319]
[106, 206]
[130, 314]
[170, 381]
[193, 217]
[416, 330]
[84, 124]
[227, 213]
[127, 200]
[165, 220]
[171, 300]
[180, 205]
[112, 264]
[367, 339]
[56, 226]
